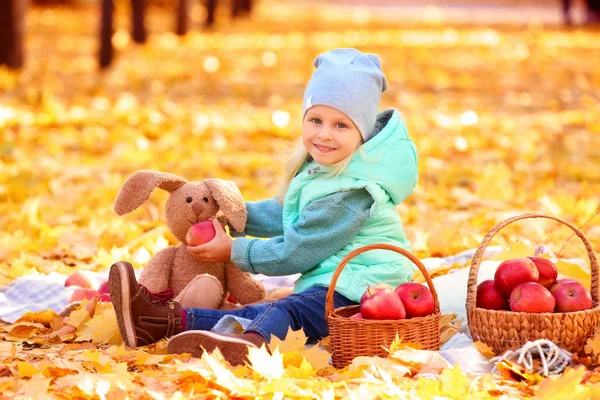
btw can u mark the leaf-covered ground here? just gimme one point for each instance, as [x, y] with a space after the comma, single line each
[506, 120]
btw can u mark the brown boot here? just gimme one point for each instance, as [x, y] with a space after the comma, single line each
[143, 317]
[233, 347]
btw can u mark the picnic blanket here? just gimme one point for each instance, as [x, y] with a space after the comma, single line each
[38, 292]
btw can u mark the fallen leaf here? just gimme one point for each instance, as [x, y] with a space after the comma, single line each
[566, 386]
[484, 349]
[47, 318]
[34, 388]
[294, 341]
[26, 370]
[267, 365]
[514, 371]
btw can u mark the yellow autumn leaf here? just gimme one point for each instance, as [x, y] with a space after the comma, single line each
[93, 356]
[484, 349]
[82, 313]
[592, 345]
[26, 329]
[267, 365]
[47, 318]
[454, 383]
[34, 388]
[101, 329]
[516, 250]
[304, 371]
[572, 270]
[317, 357]
[26, 370]
[294, 341]
[516, 372]
[566, 386]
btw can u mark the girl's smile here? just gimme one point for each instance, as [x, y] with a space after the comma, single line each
[324, 149]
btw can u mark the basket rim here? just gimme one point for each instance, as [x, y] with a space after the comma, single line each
[329, 304]
[478, 257]
[340, 318]
[485, 310]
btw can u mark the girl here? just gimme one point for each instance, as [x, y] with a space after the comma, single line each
[353, 166]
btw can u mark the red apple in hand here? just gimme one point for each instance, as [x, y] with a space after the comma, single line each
[572, 296]
[104, 288]
[200, 233]
[531, 297]
[547, 271]
[81, 293]
[559, 282]
[384, 304]
[104, 297]
[374, 289]
[83, 279]
[489, 297]
[416, 298]
[511, 273]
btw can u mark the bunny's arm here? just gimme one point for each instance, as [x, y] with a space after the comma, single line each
[242, 287]
[156, 274]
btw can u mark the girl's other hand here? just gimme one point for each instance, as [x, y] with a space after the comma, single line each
[218, 249]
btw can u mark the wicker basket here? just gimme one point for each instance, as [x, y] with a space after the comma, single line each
[502, 330]
[351, 338]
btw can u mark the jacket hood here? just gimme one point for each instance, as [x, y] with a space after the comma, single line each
[388, 159]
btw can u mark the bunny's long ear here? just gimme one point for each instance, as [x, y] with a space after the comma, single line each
[139, 186]
[230, 201]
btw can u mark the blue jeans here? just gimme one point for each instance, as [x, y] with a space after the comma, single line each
[304, 310]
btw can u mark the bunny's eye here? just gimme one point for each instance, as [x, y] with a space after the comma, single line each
[204, 199]
[189, 199]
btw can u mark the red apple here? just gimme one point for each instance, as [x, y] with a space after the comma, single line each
[384, 304]
[559, 282]
[200, 233]
[489, 297]
[374, 289]
[547, 271]
[356, 316]
[104, 297]
[572, 296]
[83, 279]
[81, 293]
[416, 298]
[104, 288]
[531, 297]
[511, 273]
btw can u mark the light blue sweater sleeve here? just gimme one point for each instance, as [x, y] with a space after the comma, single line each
[325, 226]
[265, 219]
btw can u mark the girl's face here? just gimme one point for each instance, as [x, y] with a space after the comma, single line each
[329, 135]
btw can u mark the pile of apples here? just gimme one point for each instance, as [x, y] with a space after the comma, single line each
[382, 301]
[529, 284]
[88, 287]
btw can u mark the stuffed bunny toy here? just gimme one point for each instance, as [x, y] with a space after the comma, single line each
[195, 284]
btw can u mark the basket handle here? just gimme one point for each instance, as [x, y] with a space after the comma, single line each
[477, 257]
[381, 246]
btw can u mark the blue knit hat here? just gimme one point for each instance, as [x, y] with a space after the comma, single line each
[351, 82]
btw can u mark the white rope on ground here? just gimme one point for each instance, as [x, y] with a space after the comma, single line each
[553, 359]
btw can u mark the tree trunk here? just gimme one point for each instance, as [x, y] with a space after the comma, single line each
[12, 21]
[137, 20]
[106, 33]
[211, 6]
[241, 8]
[182, 17]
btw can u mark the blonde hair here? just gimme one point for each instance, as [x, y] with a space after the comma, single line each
[297, 158]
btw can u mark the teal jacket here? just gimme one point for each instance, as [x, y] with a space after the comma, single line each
[354, 209]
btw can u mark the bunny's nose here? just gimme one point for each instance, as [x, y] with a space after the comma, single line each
[197, 208]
